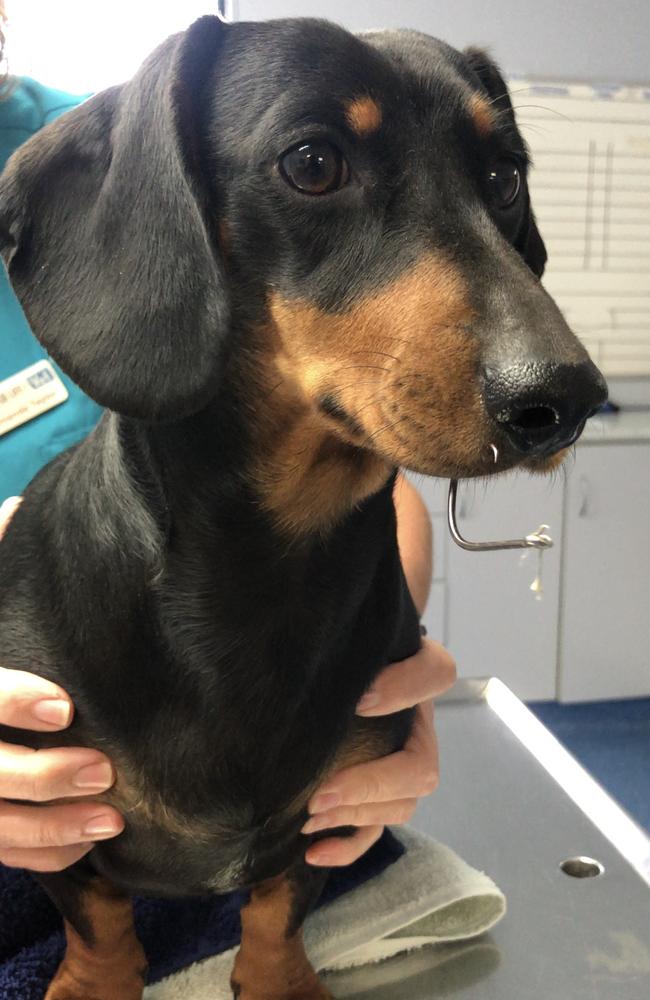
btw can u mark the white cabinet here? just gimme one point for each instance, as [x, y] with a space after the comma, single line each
[589, 636]
[481, 605]
[605, 611]
[497, 625]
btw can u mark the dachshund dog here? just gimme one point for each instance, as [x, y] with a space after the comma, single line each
[288, 261]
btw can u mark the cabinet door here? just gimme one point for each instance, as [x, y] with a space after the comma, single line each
[605, 617]
[495, 623]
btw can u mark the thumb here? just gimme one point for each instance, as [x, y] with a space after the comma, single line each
[7, 511]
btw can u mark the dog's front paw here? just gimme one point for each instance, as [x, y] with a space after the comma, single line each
[320, 994]
[311, 989]
[71, 983]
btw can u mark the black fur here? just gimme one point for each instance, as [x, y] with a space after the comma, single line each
[201, 647]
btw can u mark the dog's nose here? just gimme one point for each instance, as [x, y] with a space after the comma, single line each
[542, 406]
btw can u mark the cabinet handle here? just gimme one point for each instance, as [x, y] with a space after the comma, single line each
[584, 492]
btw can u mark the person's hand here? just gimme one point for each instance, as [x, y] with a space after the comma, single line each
[47, 837]
[7, 510]
[386, 790]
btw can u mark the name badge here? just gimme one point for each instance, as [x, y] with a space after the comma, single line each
[29, 393]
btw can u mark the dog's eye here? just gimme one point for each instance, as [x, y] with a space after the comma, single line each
[314, 167]
[504, 182]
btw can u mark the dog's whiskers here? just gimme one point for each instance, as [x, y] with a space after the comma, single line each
[541, 107]
[534, 127]
[369, 350]
[387, 427]
[508, 93]
[346, 368]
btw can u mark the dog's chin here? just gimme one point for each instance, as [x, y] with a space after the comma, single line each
[483, 467]
[479, 461]
[544, 466]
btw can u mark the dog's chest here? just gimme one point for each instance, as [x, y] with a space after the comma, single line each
[169, 848]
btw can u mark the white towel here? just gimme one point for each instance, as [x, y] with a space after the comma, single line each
[428, 896]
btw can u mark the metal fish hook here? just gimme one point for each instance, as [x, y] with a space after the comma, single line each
[536, 540]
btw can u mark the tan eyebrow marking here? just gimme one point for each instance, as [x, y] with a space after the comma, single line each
[482, 113]
[363, 115]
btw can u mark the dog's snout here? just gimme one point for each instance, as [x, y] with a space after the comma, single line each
[542, 406]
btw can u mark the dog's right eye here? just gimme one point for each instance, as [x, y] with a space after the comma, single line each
[504, 182]
[314, 167]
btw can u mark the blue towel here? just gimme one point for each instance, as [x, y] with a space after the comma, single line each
[174, 933]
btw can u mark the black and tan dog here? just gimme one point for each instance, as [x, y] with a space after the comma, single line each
[288, 261]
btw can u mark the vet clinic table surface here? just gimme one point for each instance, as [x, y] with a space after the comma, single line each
[508, 804]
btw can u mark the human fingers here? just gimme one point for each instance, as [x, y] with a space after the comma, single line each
[31, 702]
[25, 827]
[370, 814]
[44, 859]
[427, 674]
[410, 773]
[7, 511]
[42, 775]
[337, 851]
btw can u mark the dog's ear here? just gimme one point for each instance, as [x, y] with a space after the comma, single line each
[490, 78]
[110, 246]
[529, 243]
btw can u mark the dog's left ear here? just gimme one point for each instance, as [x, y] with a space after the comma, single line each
[529, 243]
[106, 228]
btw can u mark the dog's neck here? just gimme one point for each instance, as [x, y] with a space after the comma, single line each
[168, 518]
[261, 442]
[226, 544]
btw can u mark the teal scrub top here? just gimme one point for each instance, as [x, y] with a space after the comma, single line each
[26, 449]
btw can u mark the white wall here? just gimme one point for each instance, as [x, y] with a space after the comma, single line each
[604, 40]
[84, 45]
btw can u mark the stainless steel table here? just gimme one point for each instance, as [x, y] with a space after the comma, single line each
[513, 803]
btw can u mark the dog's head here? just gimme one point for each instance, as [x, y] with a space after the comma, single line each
[350, 211]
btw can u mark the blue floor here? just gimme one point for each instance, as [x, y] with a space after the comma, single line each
[611, 739]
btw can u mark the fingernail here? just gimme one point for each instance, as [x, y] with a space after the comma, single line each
[318, 859]
[56, 711]
[102, 826]
[94, 776]
[369, 700]
[317, 823]
[328, 800]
